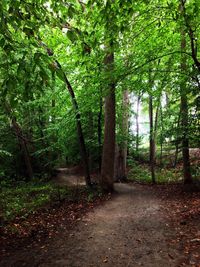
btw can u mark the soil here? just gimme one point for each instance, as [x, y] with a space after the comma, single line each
[129, 230]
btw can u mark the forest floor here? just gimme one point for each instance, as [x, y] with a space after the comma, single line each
[139, 225]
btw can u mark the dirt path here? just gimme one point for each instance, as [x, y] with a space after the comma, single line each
[127, 231]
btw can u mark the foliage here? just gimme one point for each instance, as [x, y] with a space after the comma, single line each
[25, 198]
[141, 173]
[36, 37]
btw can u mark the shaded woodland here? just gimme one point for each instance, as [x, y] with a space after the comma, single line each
[108, 91]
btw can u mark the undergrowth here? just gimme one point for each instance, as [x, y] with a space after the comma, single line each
[141, 173]
[19, 199]
[23, 198]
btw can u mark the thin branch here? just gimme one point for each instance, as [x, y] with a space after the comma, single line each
[191, 36]
[149, 61]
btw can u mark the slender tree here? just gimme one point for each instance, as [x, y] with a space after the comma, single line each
[184, 108]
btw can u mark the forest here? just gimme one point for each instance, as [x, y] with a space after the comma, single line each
[99, 106]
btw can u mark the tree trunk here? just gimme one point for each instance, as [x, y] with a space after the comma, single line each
[120, 164]
[161, 137]
[23, 144]
[90, 135]
[176, 154]
[184, 111]
[83, 150]
[81, 139]
[125, 130]
[121, 149]
[22, 141]
[80, 133]
[191, 34]
[185, 141]
[152, 141]
[137, 127]
[177, 142]
[100, 129]
[108, 155]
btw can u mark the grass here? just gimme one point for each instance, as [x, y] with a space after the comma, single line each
[23, 198]
[141, 173]
[18, 200]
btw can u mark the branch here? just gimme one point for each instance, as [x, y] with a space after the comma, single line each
[151, 60]
[191, 36]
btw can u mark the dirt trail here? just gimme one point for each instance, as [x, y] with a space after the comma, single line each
[127, 231]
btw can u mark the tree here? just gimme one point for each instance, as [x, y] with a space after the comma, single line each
[108, 154]
[184, 109]
[120, 173]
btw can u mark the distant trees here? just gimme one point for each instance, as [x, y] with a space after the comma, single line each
[105, 49]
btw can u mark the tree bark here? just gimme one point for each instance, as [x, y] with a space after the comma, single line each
[108, 155]
[121, 149]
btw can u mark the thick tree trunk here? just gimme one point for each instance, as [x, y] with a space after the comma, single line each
[184, 112]
[108, 155]
[152, 141]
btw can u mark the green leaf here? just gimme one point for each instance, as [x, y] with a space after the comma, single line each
[8, 48]
[2, 42]
[71, 11]
[72, 36]
[28, 31]
[60, 74]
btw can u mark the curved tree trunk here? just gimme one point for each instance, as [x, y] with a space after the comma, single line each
[83, 151]
[80, 133]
